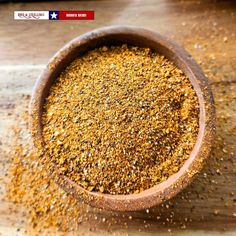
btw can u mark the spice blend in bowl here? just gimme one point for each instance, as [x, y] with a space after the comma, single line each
[125, 126]
[120, 120]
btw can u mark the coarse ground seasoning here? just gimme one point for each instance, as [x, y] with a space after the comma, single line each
[120, 120]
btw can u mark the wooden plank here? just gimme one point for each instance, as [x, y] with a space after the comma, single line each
[27, 42]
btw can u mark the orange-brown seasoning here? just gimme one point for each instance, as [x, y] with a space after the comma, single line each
[120, 120]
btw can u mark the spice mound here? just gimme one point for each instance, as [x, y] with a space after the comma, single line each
[120, 120]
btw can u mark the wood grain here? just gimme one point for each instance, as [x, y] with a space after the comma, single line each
[35, 42]
[207, 29]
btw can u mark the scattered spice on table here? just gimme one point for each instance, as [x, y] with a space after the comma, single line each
[47, 205]
[120, 120]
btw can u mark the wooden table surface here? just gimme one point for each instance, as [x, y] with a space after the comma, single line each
[207, 29]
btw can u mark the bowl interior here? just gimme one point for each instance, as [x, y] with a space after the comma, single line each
[166, 47]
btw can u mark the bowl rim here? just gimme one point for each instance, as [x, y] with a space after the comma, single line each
[176, 182]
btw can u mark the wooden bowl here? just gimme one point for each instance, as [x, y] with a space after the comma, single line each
[144, 38]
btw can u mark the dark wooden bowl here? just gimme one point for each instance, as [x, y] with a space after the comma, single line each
[144, 38]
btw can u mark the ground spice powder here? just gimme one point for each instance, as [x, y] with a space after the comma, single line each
[120, 120]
